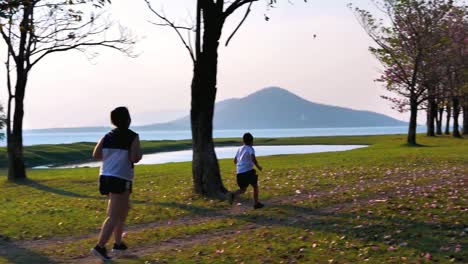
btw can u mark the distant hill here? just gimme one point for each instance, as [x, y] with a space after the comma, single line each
[278, 108]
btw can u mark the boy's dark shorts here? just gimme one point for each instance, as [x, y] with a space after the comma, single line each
[110, 184]
[247, 178]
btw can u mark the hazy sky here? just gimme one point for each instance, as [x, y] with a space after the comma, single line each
[336, 68]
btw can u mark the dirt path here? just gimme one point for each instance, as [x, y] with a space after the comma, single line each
[170, 244]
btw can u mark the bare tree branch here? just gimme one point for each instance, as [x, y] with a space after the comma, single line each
[235, 5]
[113, 44]
[240, 24]
[10, 46]
[176, 28]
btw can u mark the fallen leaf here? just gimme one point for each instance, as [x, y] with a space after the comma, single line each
[391, 248]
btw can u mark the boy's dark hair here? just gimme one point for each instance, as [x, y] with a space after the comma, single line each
[248, 139]
[120, 117]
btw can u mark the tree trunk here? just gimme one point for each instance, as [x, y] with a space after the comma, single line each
[449, 116]
[431, 116]
[413, 123]
[205, 168]
[465, 119]
[16, 166]
[456, 114]
[440, 116]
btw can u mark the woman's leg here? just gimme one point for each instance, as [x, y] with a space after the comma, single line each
[114, 212]
[118, 230]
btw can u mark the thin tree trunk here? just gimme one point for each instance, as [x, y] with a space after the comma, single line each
[465, 119]
[431, 116]
[205, 168]
[440, 116]
[413, 123]
[449, 116]
[456, 114]
[16, 166]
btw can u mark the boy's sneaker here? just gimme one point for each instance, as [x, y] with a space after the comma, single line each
[119, 247]
[231, 198]
[258, 205]
[100, 252]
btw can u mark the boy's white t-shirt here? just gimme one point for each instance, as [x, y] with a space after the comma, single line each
[244, 159]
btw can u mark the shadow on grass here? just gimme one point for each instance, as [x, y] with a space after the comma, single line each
[45, 188]
[193, 209]
[14, 253]
[420, 236]
[417, 145]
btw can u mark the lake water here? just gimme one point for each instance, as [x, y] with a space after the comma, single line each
[229, 152]
[32, 137]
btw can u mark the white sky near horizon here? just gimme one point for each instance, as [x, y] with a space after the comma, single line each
[67, 90]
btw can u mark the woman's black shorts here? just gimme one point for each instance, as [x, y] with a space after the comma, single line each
[247, 178]
[111, 184]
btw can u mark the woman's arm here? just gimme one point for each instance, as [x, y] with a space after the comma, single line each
[135, 151]
[97, 152]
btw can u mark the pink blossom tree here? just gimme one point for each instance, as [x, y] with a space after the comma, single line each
[406, 41]
[456, 63]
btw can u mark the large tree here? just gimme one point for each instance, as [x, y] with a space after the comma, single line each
[34, 29]
[210, 18]
[405, 41]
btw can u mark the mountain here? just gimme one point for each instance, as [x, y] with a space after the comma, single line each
[145, 118]
[275, 107]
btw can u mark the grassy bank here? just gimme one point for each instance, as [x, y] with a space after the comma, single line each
[388, 203]
[81, 152]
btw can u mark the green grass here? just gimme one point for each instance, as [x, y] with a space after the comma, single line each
[388, 203]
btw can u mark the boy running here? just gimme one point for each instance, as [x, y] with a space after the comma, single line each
[246, 175]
